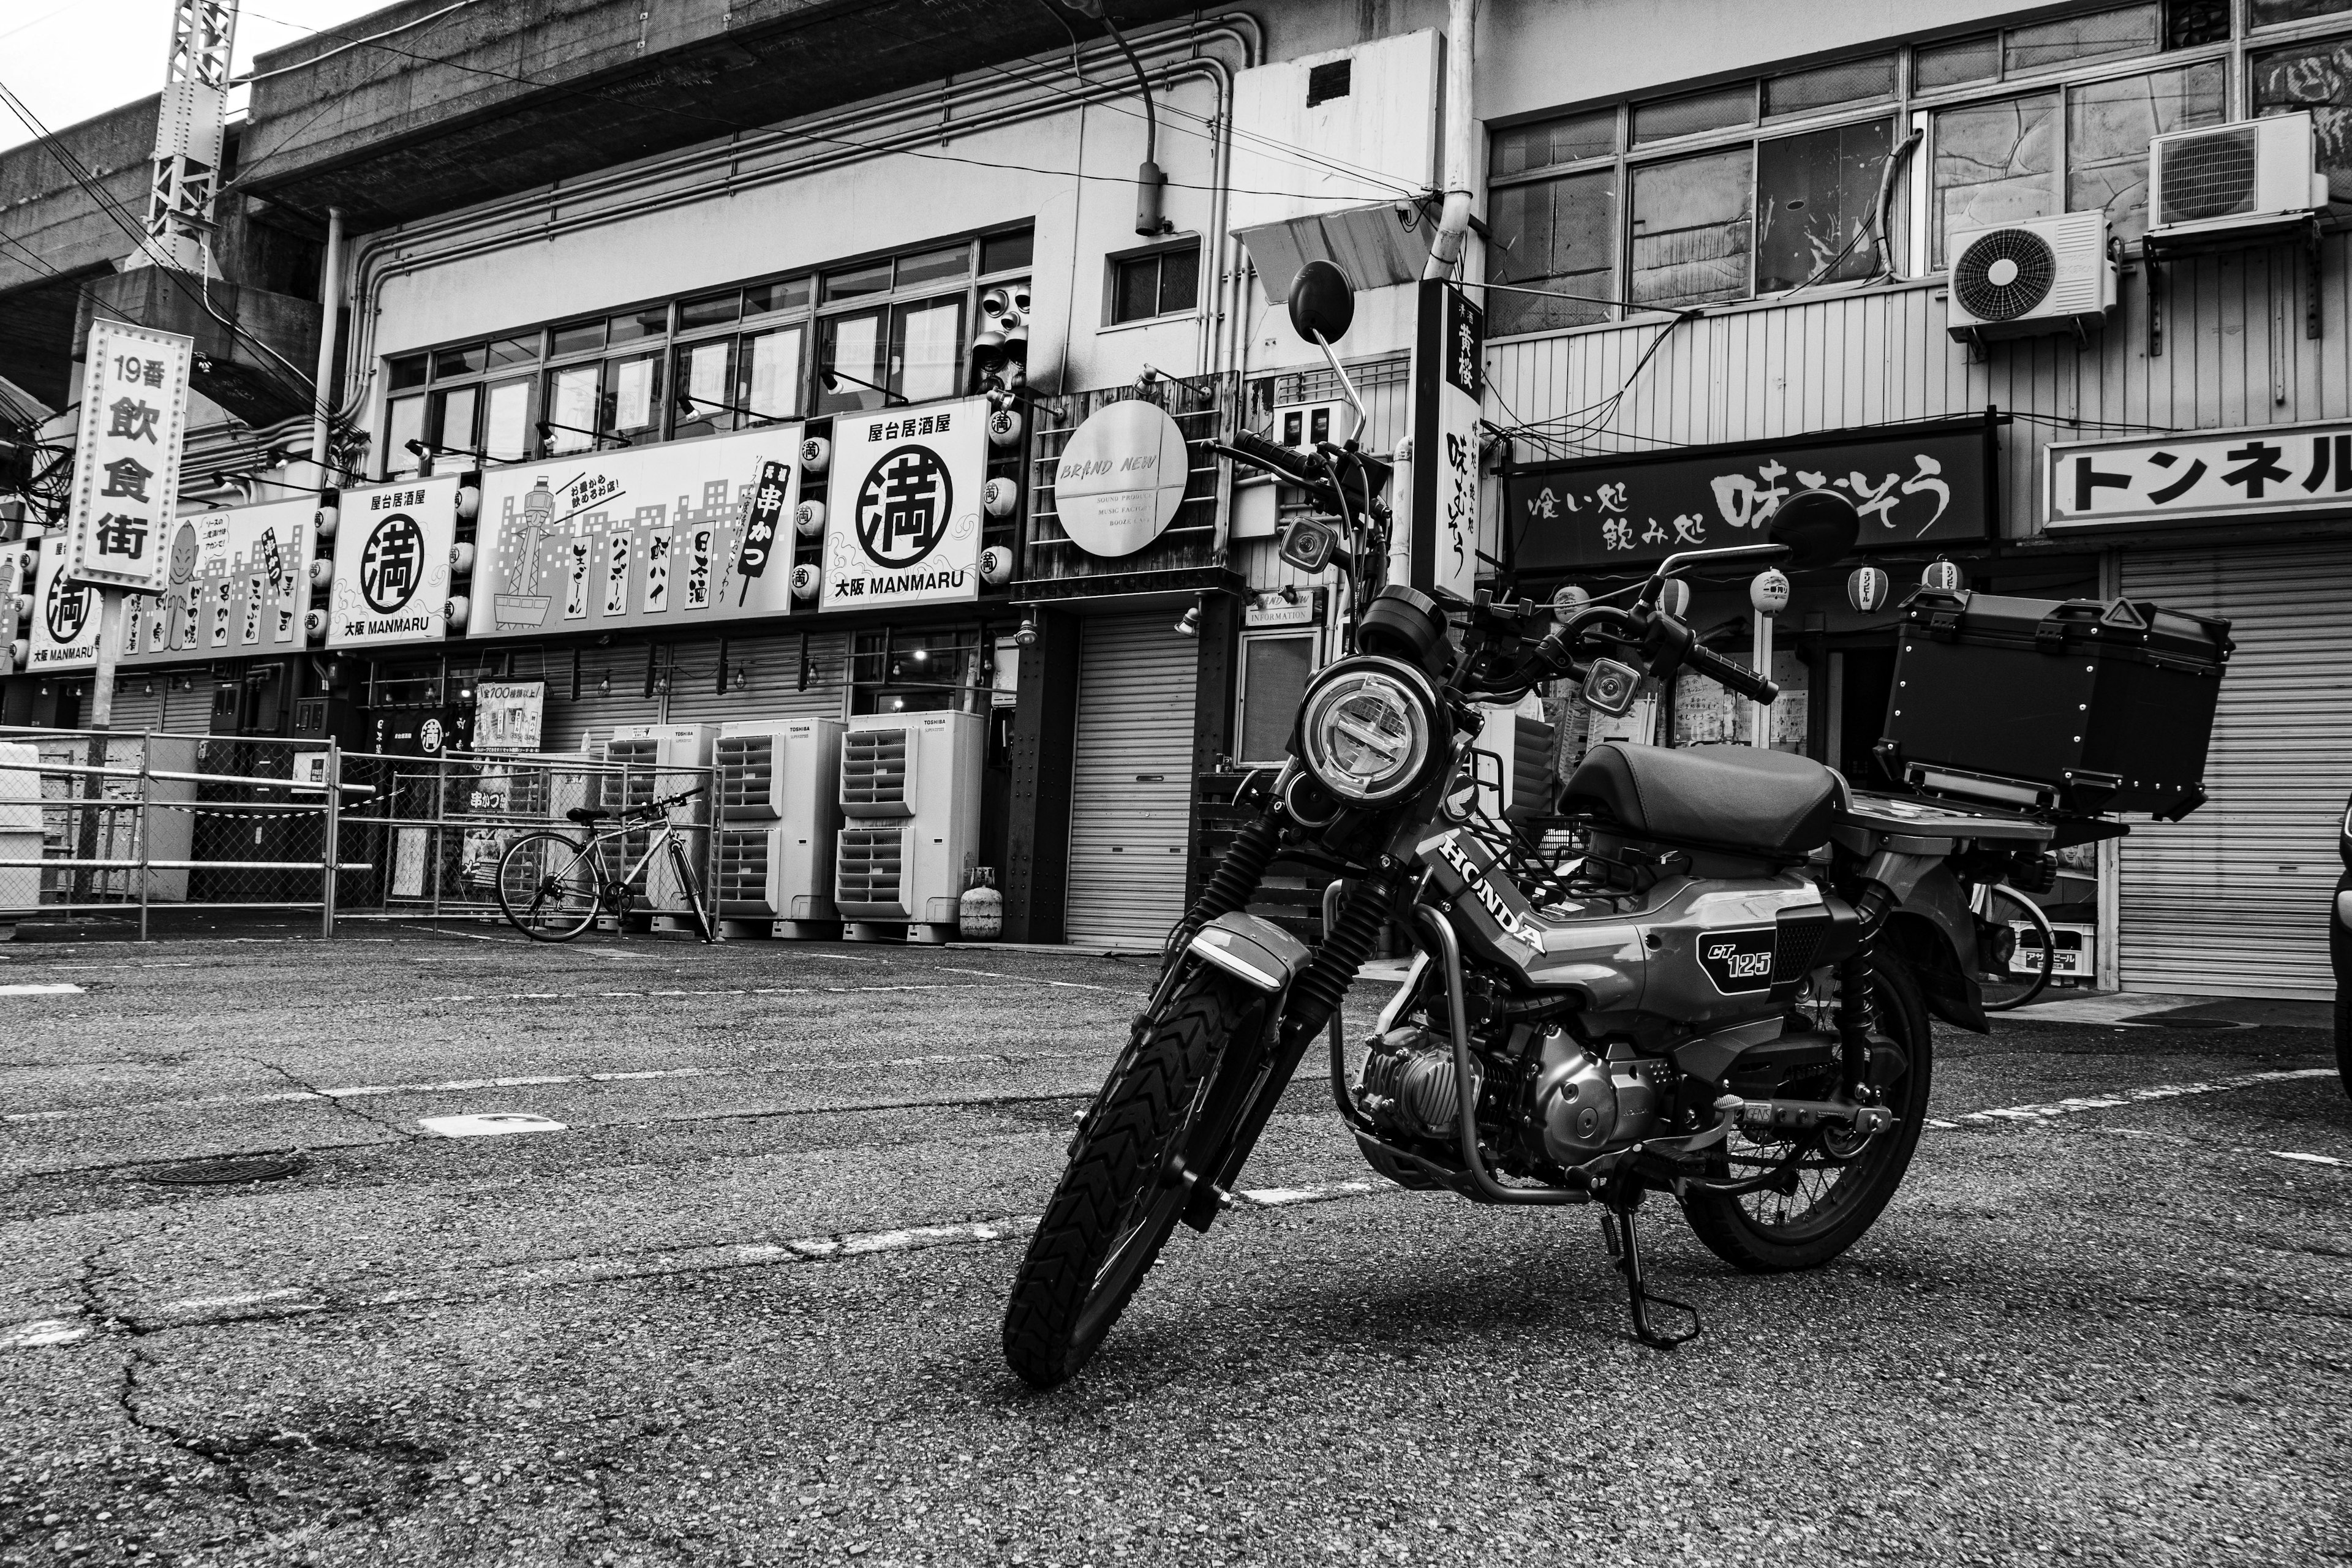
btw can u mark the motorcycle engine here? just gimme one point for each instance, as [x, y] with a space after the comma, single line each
[1585, 1105]
[1408, 1085]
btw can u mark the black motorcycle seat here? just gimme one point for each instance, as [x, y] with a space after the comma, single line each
[1736, 798]
[588, 816]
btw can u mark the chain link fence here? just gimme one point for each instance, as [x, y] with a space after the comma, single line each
[133, 823]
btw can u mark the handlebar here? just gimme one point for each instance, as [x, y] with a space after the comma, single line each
[1260, 453]
[1726, 672]
[654, 809]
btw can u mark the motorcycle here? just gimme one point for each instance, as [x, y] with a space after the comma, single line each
[1720, 992]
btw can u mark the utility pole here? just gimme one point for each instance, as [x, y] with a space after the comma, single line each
[189, 130]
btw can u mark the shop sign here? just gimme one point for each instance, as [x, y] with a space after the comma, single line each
[65, 614]
[2157, 479]
[645, 537]
[391, 562]
[508, 713]
[1122, 478]
[902, 523]
[1449, 378]
[1914, 485]
[126, 480]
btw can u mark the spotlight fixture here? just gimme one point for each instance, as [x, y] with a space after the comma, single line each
[1190, 625]
[1028, 636]
[604, 684]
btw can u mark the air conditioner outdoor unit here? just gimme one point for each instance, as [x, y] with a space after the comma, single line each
[662, 760]
[910, 795]
[2231, 182]
[779, 801]
[2044, 275]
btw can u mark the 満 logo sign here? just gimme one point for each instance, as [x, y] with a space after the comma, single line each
[391, 562]
[903, 520]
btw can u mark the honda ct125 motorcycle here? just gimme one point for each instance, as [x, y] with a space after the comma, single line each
[1702, 998]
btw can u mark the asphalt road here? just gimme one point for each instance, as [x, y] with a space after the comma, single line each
[742, 1306]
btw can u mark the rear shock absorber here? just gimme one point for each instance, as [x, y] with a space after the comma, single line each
[1858, 1002]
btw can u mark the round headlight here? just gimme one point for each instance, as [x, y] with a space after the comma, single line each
[1366, 733]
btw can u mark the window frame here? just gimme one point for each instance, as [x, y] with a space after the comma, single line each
[1312, 634]
[1911, 109]
[1158, 250]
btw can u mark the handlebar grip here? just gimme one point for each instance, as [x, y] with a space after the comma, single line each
[1264, 453]
[1736, 677]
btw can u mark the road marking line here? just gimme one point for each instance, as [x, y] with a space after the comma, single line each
[2080, 1103]
[59, 988]
[45, 1332]
[729, 991]
[1021, 980]
[2308, 1159]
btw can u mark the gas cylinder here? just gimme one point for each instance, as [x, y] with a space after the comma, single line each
[980, 913]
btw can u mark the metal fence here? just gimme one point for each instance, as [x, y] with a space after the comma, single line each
[141, 821]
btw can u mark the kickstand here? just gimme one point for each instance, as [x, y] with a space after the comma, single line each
[1617, 1229]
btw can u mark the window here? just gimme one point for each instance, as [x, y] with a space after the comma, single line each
[577, 338]
[711, 310]
[1693, 222]
[898, 672]
[451, 428]
[2109, 124]
[403, 422]
[1993, 164]
[575, 407]
[404, 371]
[1158, 283]
[2271, 13]
[926, 349]
[1548, 143]
[1555, 235]
[703, 380]
[768, 386]
[1273, 678]
[2315, 77]
[505, 423]
[1816, 200]
[633, 396]
[2102, 34]
[1335, 78]
[1831, 86]
[1007, 252]
[1700, 111]
[850, 372]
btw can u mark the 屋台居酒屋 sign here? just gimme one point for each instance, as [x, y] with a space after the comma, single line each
[902, 521]
[2155, 481]
[391, 562]
[1927, 484]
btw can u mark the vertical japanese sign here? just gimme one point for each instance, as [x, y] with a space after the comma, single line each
[391, 562]
[902, 523]
[761, 519]
[1449, 377]
[126, 483]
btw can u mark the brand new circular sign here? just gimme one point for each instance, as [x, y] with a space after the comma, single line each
[1120, 478]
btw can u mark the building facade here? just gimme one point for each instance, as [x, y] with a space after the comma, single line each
[1717, 261]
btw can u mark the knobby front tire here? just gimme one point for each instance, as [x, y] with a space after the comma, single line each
[1113, 1212]
[549, 886]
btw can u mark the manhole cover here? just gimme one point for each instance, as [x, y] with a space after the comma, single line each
[227, 1172]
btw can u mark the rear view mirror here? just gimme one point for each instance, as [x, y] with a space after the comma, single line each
[1820, 528]
[1322, 302]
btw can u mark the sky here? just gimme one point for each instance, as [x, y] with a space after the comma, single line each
[70, 59]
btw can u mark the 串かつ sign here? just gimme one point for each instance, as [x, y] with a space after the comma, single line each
[902, 522]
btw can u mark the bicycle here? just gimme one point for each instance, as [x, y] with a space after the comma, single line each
[2000, 910]
[552, 886]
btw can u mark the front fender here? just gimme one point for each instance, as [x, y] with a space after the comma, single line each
[1254, 951]
[1934, 928]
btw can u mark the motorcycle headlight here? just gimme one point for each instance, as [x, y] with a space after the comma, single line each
[1365, 732]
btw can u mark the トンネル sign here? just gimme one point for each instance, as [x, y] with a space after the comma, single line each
[391, 562]
[902, 519]
[2159, 480]
[126, 480]
[1914, 484]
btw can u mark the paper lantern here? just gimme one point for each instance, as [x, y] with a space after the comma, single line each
[808, 519]
[1942, 575]
[996, 565]
[1769, 591]
[1865, 588]
[804, 583]
[999, 496]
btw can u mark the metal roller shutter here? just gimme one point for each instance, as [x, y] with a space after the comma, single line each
[570, 726]
[1131, 786]
[2233, 901]
[770, 668]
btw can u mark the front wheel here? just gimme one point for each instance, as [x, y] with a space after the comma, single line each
[1831, 1194]
[1119, 1200]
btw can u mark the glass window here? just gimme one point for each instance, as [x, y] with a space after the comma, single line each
[1180, 278]
[1815, 196]
[2190, 23]
[1005, 252]
[1561, 235]
[1273, 679]
[2109, 124]
[453, 418]
[857, 282]
[1992, 164]
[791, 294]
[1829, 86]
[514, 350]
[506, 424]
[852, 346]
[578, 336]
[1955, 64]
[404, 422]
[2316, 77]
[404, 371]
[704, 379]
[925, 340]
[1524, 148]
[634, 394]
[467, 361]
[2102, 34]
[1716, 111]
[1693, 222]
[2271, 13]
[652, 322]
[934, 266]
[1160, 283]
[711, 310]
[574, 395]
[769, 384]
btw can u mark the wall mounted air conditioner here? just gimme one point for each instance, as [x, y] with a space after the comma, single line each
[910, 798]
[662, 760]
[781, 816]
[2022, 279]
[2245, 180]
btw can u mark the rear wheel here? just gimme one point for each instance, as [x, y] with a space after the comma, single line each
[1117, 1202]
[1836, 1189]
[549, 886]
[2016, 946]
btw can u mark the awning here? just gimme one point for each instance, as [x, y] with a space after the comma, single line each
[1377, 246]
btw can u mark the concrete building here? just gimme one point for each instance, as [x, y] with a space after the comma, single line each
[582, 255]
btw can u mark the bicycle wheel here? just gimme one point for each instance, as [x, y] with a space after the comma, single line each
[683, 865]
[549, 886]
[2016, 964]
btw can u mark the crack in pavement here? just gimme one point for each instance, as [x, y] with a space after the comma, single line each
[339, 1102]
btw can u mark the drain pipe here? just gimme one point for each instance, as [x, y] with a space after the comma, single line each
[330, 302]
[1454, 221]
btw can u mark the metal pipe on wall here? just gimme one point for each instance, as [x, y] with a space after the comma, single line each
[331, 310]
[1454, 221]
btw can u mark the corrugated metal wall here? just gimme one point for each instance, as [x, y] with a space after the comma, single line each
[771, 689]
[1130, 799]
[2233, 900]
[2234, 353]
